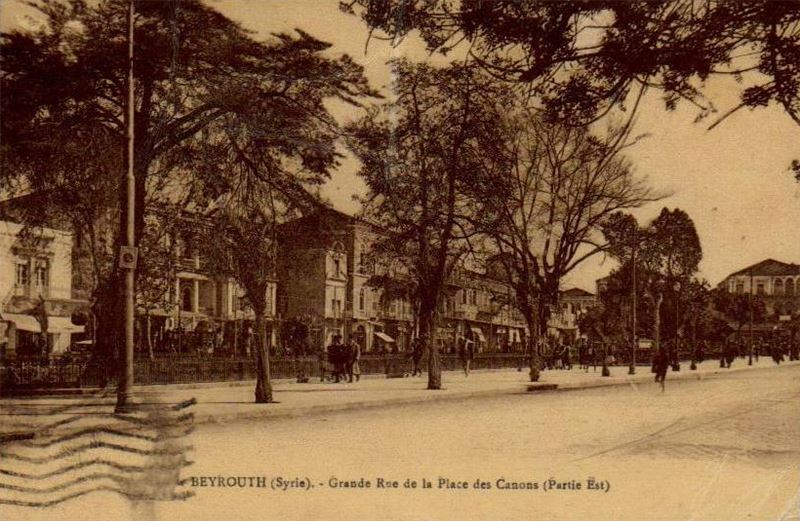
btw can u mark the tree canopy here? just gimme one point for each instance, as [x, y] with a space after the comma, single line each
[582, 58]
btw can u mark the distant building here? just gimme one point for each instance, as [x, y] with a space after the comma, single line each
[36, 291]
[572, 303]
[330, 278]
[776, 283]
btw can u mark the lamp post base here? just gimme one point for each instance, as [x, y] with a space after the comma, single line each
[124, 405]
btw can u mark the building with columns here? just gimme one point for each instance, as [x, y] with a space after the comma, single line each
[776, 283]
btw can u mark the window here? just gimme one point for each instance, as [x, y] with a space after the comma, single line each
[337, 268]
[22, 277]
[740, 287]
[778, 287]
[760, 288]
[362, 259]
[789, 290]
[463, 296]
[40, 273]
[472, 297]
[362, 299]
[336, 306]
[186, 299]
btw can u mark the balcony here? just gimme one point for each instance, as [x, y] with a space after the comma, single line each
[191, 264]
[40, 292]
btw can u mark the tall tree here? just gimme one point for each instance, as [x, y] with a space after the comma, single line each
[581, 58]
[668, 253]
[419, 153]
[203, 86]
[740, 308]
[241, 244]
[542, 200]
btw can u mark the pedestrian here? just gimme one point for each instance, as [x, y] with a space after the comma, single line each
[340, 356]
[467, 353]
[353, 367]
[660, 365]
[335, 358]
[416, 357]
[566, 357]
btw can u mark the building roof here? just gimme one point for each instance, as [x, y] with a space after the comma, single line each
[769, 267]
[576, 292]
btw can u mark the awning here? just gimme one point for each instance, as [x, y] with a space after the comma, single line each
[479, 333]
[384, 336]
[23, 322]
[62, 325]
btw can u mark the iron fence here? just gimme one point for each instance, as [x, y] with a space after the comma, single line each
[66, 373]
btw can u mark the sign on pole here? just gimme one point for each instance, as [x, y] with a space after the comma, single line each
[127, 257]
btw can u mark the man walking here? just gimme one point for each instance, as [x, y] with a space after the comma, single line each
[467, 354]
[660, 365]
[354, 355]
[416, 357]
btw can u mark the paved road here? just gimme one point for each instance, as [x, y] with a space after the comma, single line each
[726, 448]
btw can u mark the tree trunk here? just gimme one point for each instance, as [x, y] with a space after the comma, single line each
[148, 334]
[263, 381]
[657, 324]
[426, 331]
[533, 348]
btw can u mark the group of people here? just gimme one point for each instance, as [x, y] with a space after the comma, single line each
[340, 361]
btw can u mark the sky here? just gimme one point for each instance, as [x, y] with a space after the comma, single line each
[733, 181]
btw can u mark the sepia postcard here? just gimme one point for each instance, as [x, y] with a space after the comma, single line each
[421, 260]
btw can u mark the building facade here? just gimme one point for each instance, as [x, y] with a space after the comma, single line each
[36, 291]
[776, 283]
[564, 321]
[328, 275]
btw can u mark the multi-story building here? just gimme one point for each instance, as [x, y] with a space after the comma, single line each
[480, 307]
[324, 269]
[191, 298]
[776, 283]
[572, 303]
[36, 291]
[201, 300]
[329, 277]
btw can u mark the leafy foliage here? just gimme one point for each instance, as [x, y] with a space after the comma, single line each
[582, 58]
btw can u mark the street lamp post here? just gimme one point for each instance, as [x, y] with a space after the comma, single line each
[125, 384]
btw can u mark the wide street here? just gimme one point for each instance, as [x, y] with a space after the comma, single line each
[726, 447]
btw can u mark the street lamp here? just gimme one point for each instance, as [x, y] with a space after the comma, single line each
[128, 252]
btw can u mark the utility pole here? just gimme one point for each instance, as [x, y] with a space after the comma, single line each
[632, 367]
[125, 384]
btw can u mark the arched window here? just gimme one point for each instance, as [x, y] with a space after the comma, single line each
[778, 287]
[789, 287]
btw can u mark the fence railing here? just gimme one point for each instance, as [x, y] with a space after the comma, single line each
[73, 373]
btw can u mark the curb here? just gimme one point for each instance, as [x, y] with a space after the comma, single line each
[523, 388]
